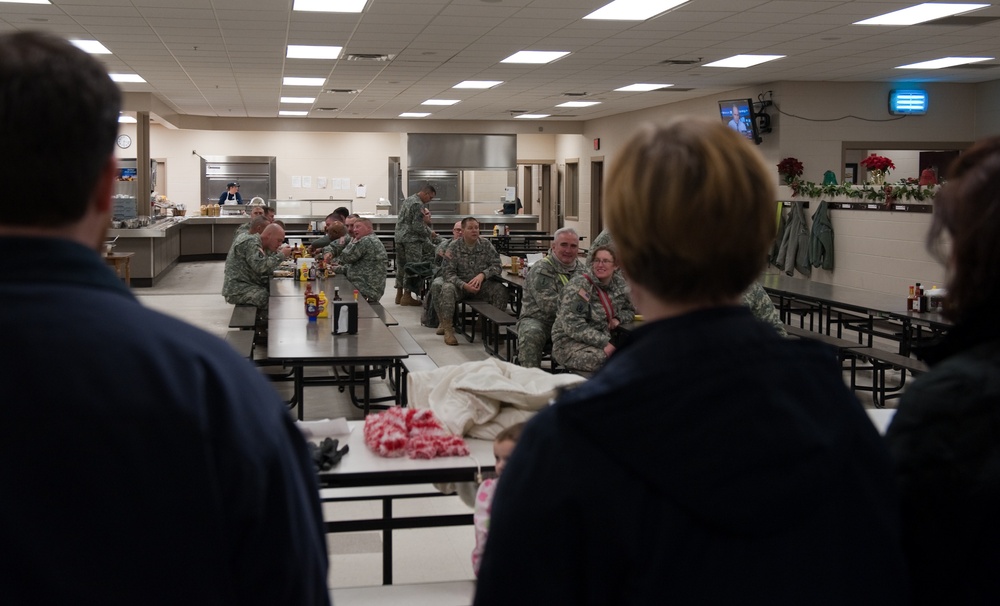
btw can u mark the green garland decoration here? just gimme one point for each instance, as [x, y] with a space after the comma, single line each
[893, 192]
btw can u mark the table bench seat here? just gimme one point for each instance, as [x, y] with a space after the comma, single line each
[244, 317]
[492, 319]
[242, 341]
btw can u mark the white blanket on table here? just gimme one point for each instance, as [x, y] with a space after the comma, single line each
[479, 399]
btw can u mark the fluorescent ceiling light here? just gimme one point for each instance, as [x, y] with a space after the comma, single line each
[292, 81]
[126, 77]
[440, 102]
[91, 46]
[633, 10]
[741, 61]
[535, 56]
[921, 13]
[127, 120]
[301, 51]
[943, 63]
[532, 116]
[579, 104]
[27, 1]
[290, 112]
[298, 99]
[413, 115]
[641, 88]
[478, 84]
[330, 6]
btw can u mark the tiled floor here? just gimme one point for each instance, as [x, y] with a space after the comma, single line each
[191, 292]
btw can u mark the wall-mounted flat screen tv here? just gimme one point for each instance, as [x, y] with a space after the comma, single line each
[738, 115]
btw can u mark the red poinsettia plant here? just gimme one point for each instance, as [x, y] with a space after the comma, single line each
[789, 169]
[874, 162]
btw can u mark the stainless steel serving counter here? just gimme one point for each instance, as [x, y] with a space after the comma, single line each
[156, 247]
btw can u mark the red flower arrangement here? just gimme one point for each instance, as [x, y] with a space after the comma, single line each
[874, 162]
[790, 168]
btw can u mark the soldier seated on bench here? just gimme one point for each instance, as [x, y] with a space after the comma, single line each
[249, 267]
[542, 289]
[469, 263]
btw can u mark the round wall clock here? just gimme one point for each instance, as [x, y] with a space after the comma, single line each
[124, 141]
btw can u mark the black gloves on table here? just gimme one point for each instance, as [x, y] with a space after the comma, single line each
[326, 455]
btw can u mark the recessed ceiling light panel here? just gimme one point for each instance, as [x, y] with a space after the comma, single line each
[298, 99]
[126, 77]
[91, 46]
[535, 57]
[414, 115]
[633, 10]
[943, 62]
[294, 81]
[579, 104]
[122, 119]
[531, 116]
[478, 84]
[641, 87]
[330, 6]
[440, 102]
[921, 13]
[290, 112]
[741, 61]
[301, 51]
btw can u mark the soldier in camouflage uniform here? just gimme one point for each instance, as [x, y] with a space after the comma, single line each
[364, 261]
[542, 290]
[602, 239]
[255, 211]
[340, 236]
[339, 215]
[411, 235]
[254, 227]
[469, 263]
[438, 279]
[763, 309]
[581, 334]
[249, 267]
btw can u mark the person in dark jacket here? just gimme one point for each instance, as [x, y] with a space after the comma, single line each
[945, 437]
[148, 463]
[686, 471]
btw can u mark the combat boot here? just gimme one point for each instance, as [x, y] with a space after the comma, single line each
[440, 330]
[407, 299]
[449, 333]
[399, 295]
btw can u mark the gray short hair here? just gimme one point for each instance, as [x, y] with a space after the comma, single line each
[565, 230]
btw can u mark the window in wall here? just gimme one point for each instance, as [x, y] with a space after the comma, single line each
[572, 205]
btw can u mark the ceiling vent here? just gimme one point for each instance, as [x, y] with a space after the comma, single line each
[327, 109]
[377, 57]
[574, 94]
[348, 91]
[680, 61]
[672, 89]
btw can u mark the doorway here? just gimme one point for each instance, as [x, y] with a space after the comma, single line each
[538, 194]
[596, 196]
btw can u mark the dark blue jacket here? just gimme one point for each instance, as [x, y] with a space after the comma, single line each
[710, 461]
[142, 461]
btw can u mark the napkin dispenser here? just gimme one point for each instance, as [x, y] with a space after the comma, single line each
[345, 317]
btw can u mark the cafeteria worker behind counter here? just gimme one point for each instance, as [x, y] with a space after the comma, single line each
[231, 194]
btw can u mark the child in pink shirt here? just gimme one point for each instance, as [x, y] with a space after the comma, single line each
[503, 447]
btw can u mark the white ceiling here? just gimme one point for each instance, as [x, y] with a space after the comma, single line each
[227, 57]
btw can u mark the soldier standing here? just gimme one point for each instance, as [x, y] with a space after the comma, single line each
[411, 234]
[365, 261]
[469, 263]
[542, 290]
[593, 304]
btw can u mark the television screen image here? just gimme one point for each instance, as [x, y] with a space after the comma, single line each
[738, 115]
